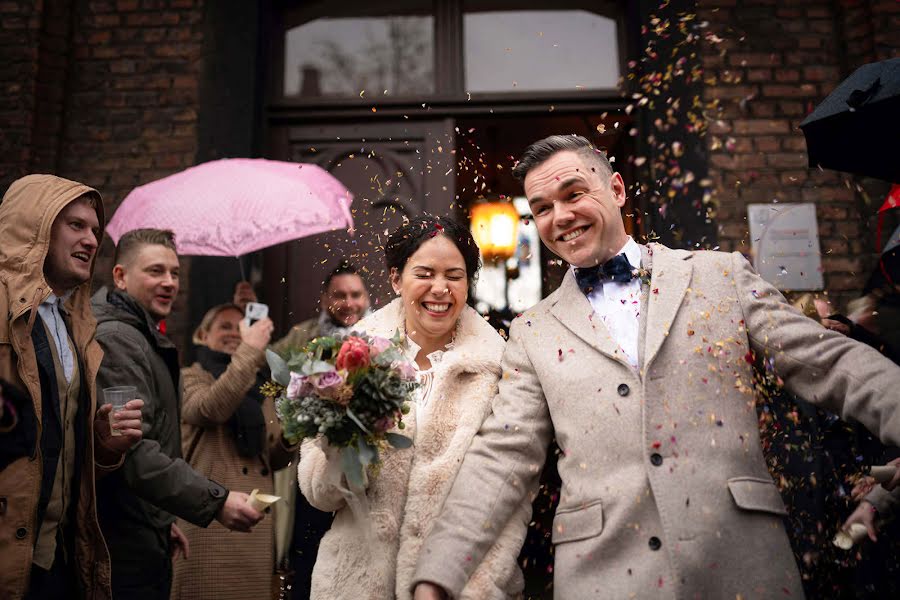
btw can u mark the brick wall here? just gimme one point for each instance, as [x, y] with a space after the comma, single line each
[104, 92]
[20, 23]
[767, 65]
[132, 107]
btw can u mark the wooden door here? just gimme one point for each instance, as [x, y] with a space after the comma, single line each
[393, 169]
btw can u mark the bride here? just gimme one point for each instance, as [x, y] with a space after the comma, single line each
[433, 262]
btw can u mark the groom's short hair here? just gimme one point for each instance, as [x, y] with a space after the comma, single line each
[543, 149]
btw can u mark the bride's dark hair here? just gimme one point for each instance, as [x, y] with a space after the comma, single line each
[407, 238]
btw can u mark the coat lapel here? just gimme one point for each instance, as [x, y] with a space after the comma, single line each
[574, 310]
[670, 276]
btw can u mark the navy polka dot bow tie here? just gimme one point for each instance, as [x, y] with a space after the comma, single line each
[615, 269]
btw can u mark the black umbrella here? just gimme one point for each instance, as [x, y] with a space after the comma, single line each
[857, 127]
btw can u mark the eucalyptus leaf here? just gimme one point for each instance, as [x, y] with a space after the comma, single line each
[398, 441]
[314, 367]
[297, 360]
[280, 372]
[352, 467]
[356, 420]
[367, 453]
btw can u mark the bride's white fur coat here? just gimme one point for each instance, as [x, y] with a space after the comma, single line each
[408, 491]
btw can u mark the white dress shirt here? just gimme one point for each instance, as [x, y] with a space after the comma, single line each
[50, 314]
[619, 305]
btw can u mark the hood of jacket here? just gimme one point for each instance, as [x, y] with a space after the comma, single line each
[27, 213]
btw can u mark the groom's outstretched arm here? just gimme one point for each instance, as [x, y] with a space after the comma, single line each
[501, 470]
[823, 367]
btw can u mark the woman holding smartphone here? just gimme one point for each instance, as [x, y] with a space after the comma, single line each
[230, 434]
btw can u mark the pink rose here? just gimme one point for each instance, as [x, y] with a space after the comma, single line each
[327, 384]
[378, 345]
[405, 369]
[354, 354]
[298, 386]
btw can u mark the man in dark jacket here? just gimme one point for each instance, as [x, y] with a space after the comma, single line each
[53, 440]
[138, 506]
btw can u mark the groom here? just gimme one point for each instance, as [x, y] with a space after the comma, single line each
[643, 371]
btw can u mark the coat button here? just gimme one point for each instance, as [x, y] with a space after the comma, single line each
[215, 492]
[264, 472]
[245, 470]
[654, 543]
[623, 389]
[21, 532]
[656, 459]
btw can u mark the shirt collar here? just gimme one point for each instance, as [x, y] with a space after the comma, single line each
[632, 252]
[58, 301]
[412, 349]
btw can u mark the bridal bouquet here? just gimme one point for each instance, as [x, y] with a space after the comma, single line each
[351, 389]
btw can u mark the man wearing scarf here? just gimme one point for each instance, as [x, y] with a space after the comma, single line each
[137, 505]
[232, 434]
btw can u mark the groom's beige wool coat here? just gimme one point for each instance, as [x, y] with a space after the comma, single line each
[407, 493]
[665, 493]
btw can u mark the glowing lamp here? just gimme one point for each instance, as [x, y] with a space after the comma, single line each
[494, 226]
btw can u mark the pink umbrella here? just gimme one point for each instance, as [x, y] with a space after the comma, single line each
[235, 206]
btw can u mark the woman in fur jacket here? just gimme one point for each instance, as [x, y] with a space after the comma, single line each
[433, 263]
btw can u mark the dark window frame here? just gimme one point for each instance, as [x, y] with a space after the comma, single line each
[449, 57]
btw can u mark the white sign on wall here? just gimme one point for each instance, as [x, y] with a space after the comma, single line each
[785, 239]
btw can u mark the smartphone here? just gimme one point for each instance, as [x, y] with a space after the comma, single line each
[255, 311]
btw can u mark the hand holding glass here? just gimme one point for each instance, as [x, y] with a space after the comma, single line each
[118, 396]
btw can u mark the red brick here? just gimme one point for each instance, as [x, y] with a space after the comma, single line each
[789, 91]
[730, 91]
[767, 144]
[761, 109]
[106, 20]
[821, 73]
[835, 246]
[785, 160]
[795, 143]
[798, 177]
[754, 59]
[832, 212]
[809, 41]
[753, 126]
[787, 75]
[759, 75]
[827, 194]
[838, 264]
[821, 12]
[821, 26]
[789, 108]
[788, 13]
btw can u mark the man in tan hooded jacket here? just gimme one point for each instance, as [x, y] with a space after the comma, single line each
[56, 441]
